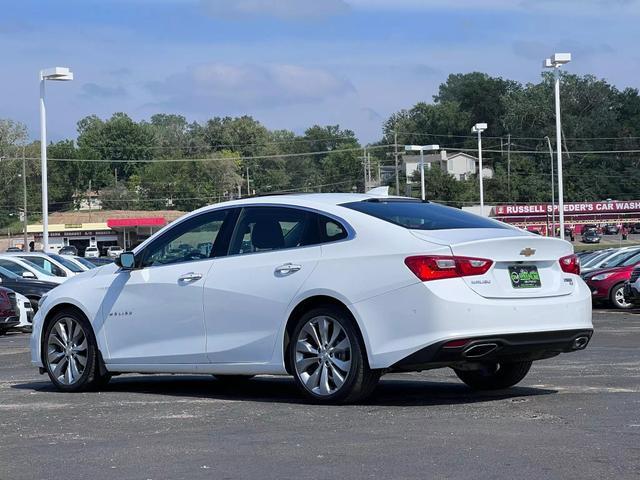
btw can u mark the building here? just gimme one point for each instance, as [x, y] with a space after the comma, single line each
[459, 164]
[102, 229]
[541, 216]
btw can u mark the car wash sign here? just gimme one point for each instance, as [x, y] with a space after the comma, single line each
[569, 208]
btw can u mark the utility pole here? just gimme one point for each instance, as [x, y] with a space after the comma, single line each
[509, 167]
[553, 194]
[395, 146]
[25, 241]
[364, 164]
[248, 185]
[89, 201]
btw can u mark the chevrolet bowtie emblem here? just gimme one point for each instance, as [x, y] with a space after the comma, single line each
[527, 252]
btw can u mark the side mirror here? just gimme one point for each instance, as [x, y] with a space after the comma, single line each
[126, 261]
[28, 274]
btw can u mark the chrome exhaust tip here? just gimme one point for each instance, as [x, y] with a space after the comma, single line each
[580, 343]
[479, 350]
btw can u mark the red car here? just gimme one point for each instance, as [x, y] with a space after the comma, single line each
[9, 314]
[607, 285]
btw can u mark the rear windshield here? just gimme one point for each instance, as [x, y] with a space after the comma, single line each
[417, 215]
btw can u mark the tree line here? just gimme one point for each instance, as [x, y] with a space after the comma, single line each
[170, 162]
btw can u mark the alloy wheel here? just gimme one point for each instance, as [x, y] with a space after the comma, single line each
[323, 356]
[619, 298]
[67, 351]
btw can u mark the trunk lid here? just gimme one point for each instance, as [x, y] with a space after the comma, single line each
[508, 248]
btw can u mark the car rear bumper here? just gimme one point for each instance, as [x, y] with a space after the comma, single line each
[400, 323]
[496, 348]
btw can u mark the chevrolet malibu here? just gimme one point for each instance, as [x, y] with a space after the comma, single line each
[333, 289]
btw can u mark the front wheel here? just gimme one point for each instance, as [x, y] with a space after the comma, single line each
[328, 358]
[495, 376]
[617, 297]
[71, 353]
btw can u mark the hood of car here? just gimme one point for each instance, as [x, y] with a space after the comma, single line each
[608, 270]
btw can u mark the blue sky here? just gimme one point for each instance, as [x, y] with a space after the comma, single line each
[292, 63]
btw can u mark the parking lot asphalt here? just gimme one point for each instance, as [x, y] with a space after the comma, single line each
[574, 416]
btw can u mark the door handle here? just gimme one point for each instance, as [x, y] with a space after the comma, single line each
[288, 269]
[190, 277]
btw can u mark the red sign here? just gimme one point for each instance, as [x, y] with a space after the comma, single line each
[136, 222]
[581, 207]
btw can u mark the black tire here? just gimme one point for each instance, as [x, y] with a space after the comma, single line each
[495, 376]
[90, 378]
[613, 298]
[359, 382]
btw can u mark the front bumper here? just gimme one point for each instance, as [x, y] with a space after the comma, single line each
[496, 348]
[8, 322]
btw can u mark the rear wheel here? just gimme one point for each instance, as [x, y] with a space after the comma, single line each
[495, 376]
[616, 297]
[70, 353]
[328, 357]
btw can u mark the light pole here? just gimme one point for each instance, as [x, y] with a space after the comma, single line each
[479, 128]
[553, 194]
[58, 74]
[555, 62]
[422, 149]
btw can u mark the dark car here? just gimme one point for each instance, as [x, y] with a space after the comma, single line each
[611, 230]
[14, 249]
[591, 236]
[32, 289]
[68, 250]
[9, 313]
[634, 228]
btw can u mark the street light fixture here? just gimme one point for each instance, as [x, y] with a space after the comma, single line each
[479, 128]
[556, 61]
[57, 74]
[422, 149]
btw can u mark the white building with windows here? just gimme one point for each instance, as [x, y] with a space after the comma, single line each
[460, 165]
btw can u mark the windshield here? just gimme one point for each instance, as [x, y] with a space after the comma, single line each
[419, 215]
[67, 263]
[4, 273]
[630, 260]
[84, 262]
[595, 259]
[617, 259]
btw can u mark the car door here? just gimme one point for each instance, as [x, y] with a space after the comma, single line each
[154, 313]
[248, 292]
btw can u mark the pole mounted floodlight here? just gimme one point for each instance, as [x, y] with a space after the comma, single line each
[556, 61]
[53, 74]
[422, 149]
[479, 128]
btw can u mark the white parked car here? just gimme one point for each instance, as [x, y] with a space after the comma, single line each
[47, 262]
[114, 251]
[26, 313]
[334, 289]
[91, 252]
[27, 269]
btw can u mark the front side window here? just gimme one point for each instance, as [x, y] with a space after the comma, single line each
[191, 240]
[46, 265]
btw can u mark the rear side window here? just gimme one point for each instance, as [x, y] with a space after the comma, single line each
[417, 215]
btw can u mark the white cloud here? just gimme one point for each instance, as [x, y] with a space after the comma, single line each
[230, 87]
[282, 9]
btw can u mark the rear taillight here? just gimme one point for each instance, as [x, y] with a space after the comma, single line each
[437, 267]
[570, 264]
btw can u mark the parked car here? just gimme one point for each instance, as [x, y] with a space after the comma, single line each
[334, 289]
[114, 251]
[26, 313]
[9, 316]
[84, 262]
[91, 252]
[591, 236]
[607, 285]
[68, 250]
[14, 249]
[634, 228]
[68, 262]
[26, 269]
[32, 289]
[47, 262]
[617, 258]
[611, 229]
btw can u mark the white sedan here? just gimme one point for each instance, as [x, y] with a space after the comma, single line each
[334, 289]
